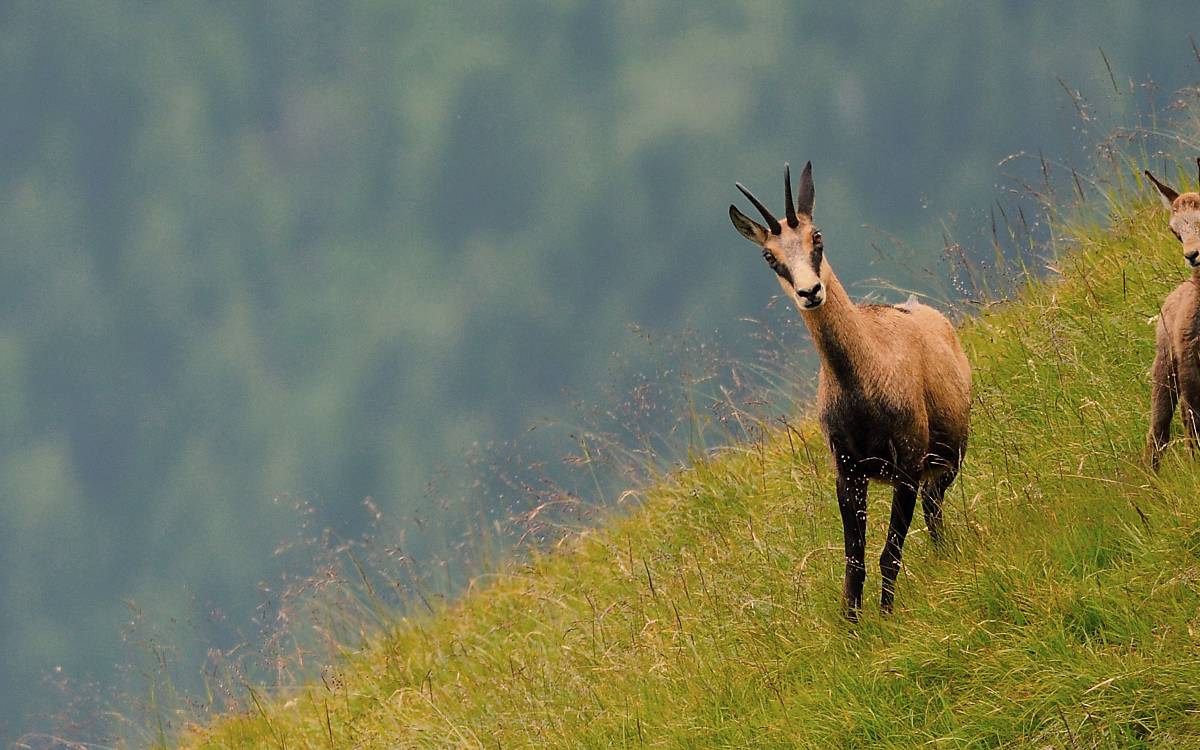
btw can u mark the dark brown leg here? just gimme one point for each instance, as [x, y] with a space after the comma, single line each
[852, 501]
[1191, 423]
[932, 493]
[1164, 393]
[904, 499]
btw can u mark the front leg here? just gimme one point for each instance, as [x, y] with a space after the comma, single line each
[1164, 393]
[903, 500]
[852, 502]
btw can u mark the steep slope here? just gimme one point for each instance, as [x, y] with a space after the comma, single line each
[1067, 615]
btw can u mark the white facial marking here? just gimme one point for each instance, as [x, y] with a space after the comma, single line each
[808, 289]
[1186, 225]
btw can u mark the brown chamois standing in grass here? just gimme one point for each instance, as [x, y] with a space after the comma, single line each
[1175, 377]
[893, 394]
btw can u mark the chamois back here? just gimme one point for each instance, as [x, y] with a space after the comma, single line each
[917, 367]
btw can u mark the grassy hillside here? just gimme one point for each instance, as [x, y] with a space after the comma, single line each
[1067, 614]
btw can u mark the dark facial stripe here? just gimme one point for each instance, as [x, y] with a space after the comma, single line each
[818, 251]
[786, 275]
[783, 273]
[780, 269]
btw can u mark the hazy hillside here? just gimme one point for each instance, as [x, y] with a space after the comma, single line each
[1065, 616]
[265, 260]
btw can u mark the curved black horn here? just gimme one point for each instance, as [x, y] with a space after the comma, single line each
[804, 201]
[1198, 167]
[792, 221]
[772, 222]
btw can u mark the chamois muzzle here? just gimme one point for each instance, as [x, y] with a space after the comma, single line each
[813, 297]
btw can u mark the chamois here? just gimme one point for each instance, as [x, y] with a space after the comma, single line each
[1175, 377]
[893, 393]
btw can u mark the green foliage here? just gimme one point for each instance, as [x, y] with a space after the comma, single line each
[1063, 615]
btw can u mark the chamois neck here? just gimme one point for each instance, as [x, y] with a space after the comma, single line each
[839, 332]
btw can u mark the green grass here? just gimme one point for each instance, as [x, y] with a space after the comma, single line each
[1066, 613]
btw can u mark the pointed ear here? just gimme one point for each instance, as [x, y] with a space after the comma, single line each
[804, 201]
[747, 227]
[1165, 192]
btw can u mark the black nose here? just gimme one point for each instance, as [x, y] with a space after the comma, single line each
[1192, 256]
[811, 292]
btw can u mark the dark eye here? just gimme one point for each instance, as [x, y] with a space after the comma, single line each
[780, 270]
[1177, 235]
[817, 238]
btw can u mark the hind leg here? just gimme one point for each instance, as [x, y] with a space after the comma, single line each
[932, 493]
[947, 449]
[1191, 423]
[1188, 384]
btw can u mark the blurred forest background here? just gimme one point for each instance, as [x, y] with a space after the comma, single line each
[317, 250]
